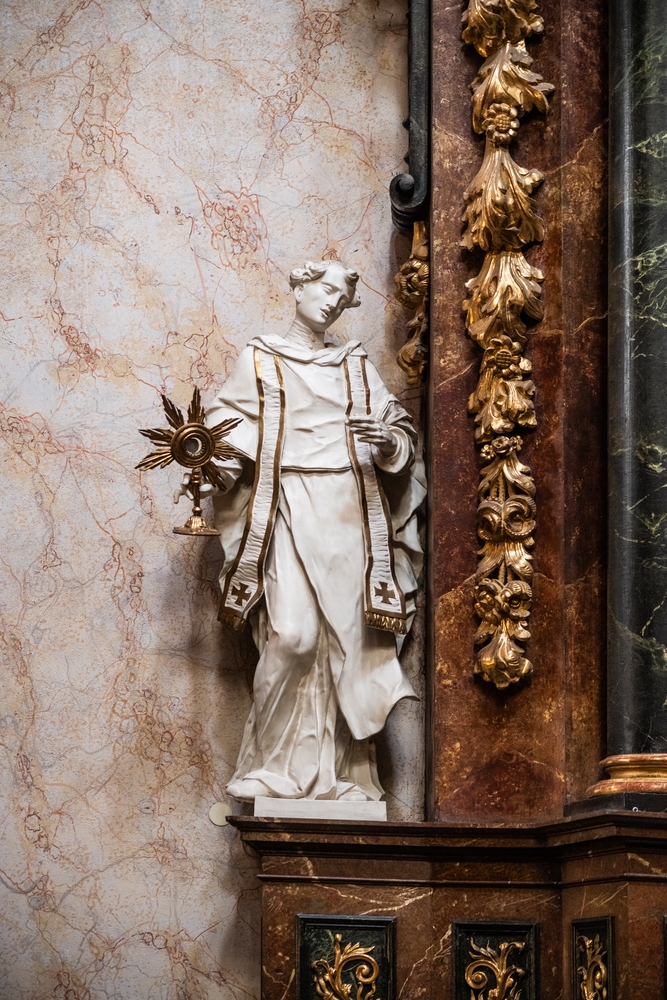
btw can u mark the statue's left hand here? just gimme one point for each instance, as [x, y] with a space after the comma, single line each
[375, 432]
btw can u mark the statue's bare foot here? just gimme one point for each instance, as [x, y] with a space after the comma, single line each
[246, 789]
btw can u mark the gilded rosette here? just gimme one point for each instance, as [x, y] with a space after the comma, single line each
[501, 219]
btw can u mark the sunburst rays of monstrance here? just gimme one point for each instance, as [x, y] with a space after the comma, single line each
[194, 446]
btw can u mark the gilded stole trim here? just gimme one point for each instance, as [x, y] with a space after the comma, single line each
[385, 603]
[244, 584]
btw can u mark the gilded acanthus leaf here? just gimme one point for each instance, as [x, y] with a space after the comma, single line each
[504, 461]
[506, 555]
[502, 661]
[506, 78]
[500, 213]
[485, 961]
[489, 23]
[506, 286]
[328, 979]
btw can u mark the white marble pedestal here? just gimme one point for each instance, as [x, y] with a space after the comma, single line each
[267, 807]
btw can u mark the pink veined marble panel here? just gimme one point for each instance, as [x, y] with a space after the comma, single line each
[164, 164]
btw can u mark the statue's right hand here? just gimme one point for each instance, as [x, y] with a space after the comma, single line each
[184, 489]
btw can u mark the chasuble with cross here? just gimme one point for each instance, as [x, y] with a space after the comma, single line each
[321, 556]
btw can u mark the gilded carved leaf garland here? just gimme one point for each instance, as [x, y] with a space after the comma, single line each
[501, 219]
[412, 284]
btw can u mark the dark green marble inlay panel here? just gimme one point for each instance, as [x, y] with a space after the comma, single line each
[592, 958]
[316, 943]
[638, 378]
[496, 959]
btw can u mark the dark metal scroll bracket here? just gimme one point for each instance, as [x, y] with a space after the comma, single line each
[409, 192]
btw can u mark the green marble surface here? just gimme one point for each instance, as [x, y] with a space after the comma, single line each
[638, 378]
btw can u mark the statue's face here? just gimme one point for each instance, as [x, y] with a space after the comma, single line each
[320, 303]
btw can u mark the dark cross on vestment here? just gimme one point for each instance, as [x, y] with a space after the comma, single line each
[240, 593]
[384, 593]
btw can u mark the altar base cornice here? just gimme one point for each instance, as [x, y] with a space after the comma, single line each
[607, 865]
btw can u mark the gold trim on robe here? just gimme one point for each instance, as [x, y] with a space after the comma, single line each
[385, 602]
[244, 584]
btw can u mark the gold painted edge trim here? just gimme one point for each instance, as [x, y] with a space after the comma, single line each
[228, 615]
[639, 772]
[255, 484]
[381, 619]
[373, 618]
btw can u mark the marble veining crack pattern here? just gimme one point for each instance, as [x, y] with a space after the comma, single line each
[165, 164]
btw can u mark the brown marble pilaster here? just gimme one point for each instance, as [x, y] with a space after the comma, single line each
[526, 751]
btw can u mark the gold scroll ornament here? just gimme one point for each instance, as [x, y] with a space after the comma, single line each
[194, 446]
[501, 220]
[592, 974]
[487, 961]
[412, 283]
[329, 978]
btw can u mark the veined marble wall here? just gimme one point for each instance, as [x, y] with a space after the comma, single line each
[164, 164]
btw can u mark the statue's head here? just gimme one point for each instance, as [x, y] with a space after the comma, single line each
[322, 291]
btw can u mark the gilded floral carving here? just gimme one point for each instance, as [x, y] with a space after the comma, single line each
[486, 962]
[328, 979]
[412, 285]
[501, 219]
[488, 23]
[593, 970]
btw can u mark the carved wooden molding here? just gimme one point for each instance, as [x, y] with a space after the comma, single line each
[501, 220]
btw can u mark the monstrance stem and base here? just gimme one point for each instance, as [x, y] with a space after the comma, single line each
[196, 524]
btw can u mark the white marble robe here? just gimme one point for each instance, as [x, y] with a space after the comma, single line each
[325, 682]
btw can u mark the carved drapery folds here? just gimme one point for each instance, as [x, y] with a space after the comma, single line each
[501, 219]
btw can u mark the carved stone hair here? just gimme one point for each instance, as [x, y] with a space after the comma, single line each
[315, 270]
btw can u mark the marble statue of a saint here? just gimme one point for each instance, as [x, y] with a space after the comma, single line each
[321, 549]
